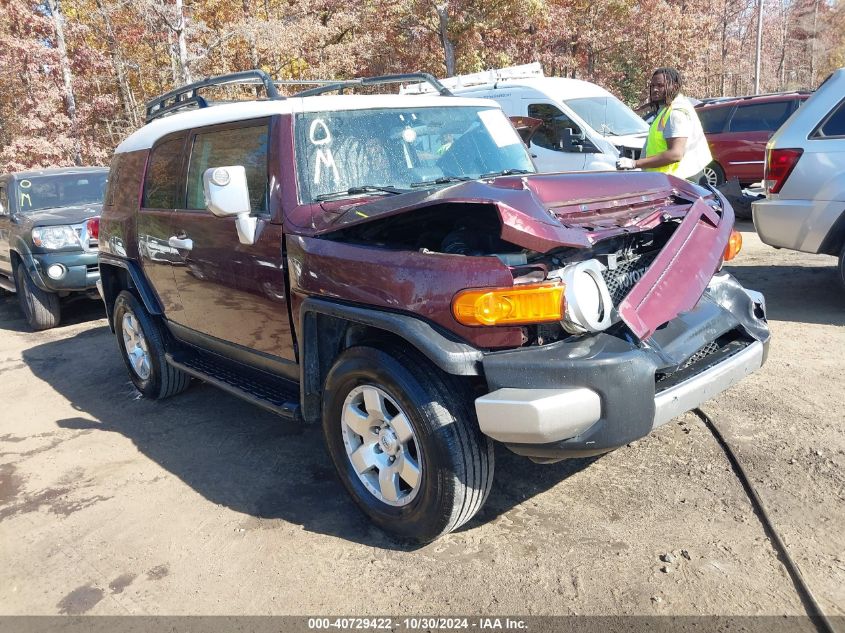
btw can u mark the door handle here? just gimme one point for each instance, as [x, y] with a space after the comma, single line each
[180, 243]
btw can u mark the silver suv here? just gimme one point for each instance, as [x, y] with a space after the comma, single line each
[804, 209]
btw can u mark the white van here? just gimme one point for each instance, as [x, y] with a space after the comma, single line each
[584, 126]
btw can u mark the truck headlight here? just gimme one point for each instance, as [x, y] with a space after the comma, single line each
[54, 237]
[587, 299]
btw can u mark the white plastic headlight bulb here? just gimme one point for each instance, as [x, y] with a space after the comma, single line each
[588, 302]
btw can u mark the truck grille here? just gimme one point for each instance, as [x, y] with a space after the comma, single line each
[628, 272]
[704, 358]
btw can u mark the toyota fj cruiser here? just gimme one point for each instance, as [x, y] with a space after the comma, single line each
[48, 238]
[393, 268]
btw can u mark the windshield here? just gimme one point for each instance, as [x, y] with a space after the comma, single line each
[397, 149]
[48, 192]
[608, 115]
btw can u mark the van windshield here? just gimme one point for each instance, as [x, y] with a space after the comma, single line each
[393, 150]
[49, 192]
[608, 115]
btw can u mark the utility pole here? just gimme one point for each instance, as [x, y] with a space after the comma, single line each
[759, 45]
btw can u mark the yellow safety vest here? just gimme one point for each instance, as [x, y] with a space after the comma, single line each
[697, 154]
[656, 142]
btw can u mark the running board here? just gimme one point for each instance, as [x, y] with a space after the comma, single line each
[273, 394]
[7, 284]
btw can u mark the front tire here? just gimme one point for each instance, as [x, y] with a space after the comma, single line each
[405, 443]
[41, 308]
[141, 342]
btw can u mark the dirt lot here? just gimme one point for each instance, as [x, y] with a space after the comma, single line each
[203, 504]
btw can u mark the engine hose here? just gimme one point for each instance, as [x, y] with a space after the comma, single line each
[808, 600]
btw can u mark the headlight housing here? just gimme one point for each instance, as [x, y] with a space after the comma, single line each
[587, 299]
[55, 237]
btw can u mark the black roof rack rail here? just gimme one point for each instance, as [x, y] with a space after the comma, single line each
[341, 85]
[188, 95]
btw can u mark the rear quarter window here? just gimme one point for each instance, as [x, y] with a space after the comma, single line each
[833, 125]
[760, 116]
[713, 119]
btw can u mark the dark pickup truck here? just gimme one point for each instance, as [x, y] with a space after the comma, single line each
[392, 268]
[49, 223]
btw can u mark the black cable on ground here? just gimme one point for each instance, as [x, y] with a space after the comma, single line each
[808, 600]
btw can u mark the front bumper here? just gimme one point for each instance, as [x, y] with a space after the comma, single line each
[595, 393]
[80, 271]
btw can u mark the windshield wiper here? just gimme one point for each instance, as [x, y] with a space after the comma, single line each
[443, 180]
[505, 172]
[354, 191]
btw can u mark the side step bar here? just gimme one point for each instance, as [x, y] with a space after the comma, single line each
[7, 284]
[273, 394]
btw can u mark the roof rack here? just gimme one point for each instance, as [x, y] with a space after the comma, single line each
[188, 96]
[340, 86]
[485, 78]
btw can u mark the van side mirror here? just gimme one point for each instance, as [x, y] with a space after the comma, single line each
[227, 194]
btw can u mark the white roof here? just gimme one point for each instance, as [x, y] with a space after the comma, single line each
[145, 137]
[562, 87]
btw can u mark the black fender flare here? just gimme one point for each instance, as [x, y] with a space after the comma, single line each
[325, 333]
[834, 241]
[135, 280]
[20, 248]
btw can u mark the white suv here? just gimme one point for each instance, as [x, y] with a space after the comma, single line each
[804, 209]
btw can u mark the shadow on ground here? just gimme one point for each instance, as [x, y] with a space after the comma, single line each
[802, 294]
[237, 455]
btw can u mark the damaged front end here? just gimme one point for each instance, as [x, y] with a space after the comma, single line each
[636, 259]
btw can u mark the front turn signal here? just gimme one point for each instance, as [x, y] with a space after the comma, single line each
[734, 245]
[514, 305]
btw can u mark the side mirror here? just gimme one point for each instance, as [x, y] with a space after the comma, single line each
[227, 194]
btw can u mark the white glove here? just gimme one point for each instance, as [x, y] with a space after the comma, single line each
[626, 163]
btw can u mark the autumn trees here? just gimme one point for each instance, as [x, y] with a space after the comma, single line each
[77, 73]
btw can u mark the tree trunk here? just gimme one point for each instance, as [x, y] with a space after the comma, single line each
[67, 77]
[448, 47]
[126, 96]
[813, 45]
[182, 44]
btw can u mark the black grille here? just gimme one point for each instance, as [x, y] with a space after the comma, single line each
[92, 268]
[621, 279]
[704, 358]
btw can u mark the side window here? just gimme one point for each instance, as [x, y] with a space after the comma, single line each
[245, 146]
[713, 119]
[554, 121]
[761, 116]
[161, 183]
[834, 125]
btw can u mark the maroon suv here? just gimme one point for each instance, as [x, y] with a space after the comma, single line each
[391, 268]
[738, 130]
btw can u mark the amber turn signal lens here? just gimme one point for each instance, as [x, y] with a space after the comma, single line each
[515, 305]
[734, 245]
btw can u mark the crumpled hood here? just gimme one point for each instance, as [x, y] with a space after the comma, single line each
[61, 215]
[542, 212]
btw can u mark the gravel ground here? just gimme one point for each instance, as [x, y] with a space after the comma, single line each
[203, 504]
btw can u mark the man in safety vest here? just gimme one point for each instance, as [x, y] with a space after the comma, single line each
[676, 144]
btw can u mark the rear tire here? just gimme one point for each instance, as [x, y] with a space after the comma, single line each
[714, 175]
[405, 442]
[40, 308]
[141, 342]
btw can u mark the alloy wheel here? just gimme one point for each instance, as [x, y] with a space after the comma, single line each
[135, 345]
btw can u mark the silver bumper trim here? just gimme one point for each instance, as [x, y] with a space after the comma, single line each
[691, 393]
[537, 416]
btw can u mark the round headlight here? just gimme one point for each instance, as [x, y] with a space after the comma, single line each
[56, 271]
[588, 302]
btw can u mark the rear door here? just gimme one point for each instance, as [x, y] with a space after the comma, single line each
[232, 291]
[163, 186]
[749, 129]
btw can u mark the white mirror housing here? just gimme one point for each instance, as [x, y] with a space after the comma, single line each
[227, 194]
